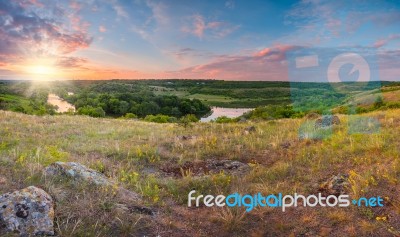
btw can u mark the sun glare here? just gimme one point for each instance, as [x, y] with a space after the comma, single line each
[41, 70]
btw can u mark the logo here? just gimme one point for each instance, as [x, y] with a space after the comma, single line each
[279, 201]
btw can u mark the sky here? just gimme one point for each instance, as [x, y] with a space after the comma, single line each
[219, 39]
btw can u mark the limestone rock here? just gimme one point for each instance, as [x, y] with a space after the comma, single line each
[28, 212]
[80, 172]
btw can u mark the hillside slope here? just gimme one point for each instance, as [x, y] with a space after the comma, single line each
[164, 162]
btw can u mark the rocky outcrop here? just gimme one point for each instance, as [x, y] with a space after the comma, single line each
[81, 173]
[327, 121]
[28, 212]
[78, 172]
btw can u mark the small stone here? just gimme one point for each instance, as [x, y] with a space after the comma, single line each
[325, 231]
[250, 130]
[186, 137]
[336, 185]
[286, 145]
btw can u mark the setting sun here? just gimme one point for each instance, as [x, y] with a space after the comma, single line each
[41, 70]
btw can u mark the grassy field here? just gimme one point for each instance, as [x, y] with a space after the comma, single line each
[136, 154]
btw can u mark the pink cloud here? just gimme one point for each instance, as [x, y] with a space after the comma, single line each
[383, 42]
[75, 5]
[268, 64]
[199, 26]
[102, 29]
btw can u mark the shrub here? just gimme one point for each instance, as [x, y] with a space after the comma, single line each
[129, 116]
[270, 112]
[159, 118]
[92, 111]
[224, 119]
[187, 119]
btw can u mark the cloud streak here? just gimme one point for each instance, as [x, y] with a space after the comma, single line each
[198, 27]
[268, 64]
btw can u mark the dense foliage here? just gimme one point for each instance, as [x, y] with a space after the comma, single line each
[185, 101]
[270, 112]
[118, 99]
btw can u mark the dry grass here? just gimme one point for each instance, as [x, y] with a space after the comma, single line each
[132, 152]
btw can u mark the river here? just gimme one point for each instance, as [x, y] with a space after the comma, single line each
[228, 112]
[63, 106]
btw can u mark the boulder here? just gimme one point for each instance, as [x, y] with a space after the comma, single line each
[78, 172]
[28, 212]
[327, 121]
[81, 173]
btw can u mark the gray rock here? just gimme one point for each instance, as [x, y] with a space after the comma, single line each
[81, 173]
[28, 212]
[78, 172]
[327, 121]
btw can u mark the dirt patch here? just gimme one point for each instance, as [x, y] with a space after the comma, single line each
[205, 167]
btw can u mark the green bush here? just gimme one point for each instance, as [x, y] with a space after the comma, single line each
[186, 120]
[224, 119]
[159, 118]
[92, 111]
[270, 112]
[129, 116]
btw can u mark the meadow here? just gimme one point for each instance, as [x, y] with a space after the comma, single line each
[161, 162]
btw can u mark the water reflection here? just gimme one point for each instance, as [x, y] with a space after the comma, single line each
[228, 112]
